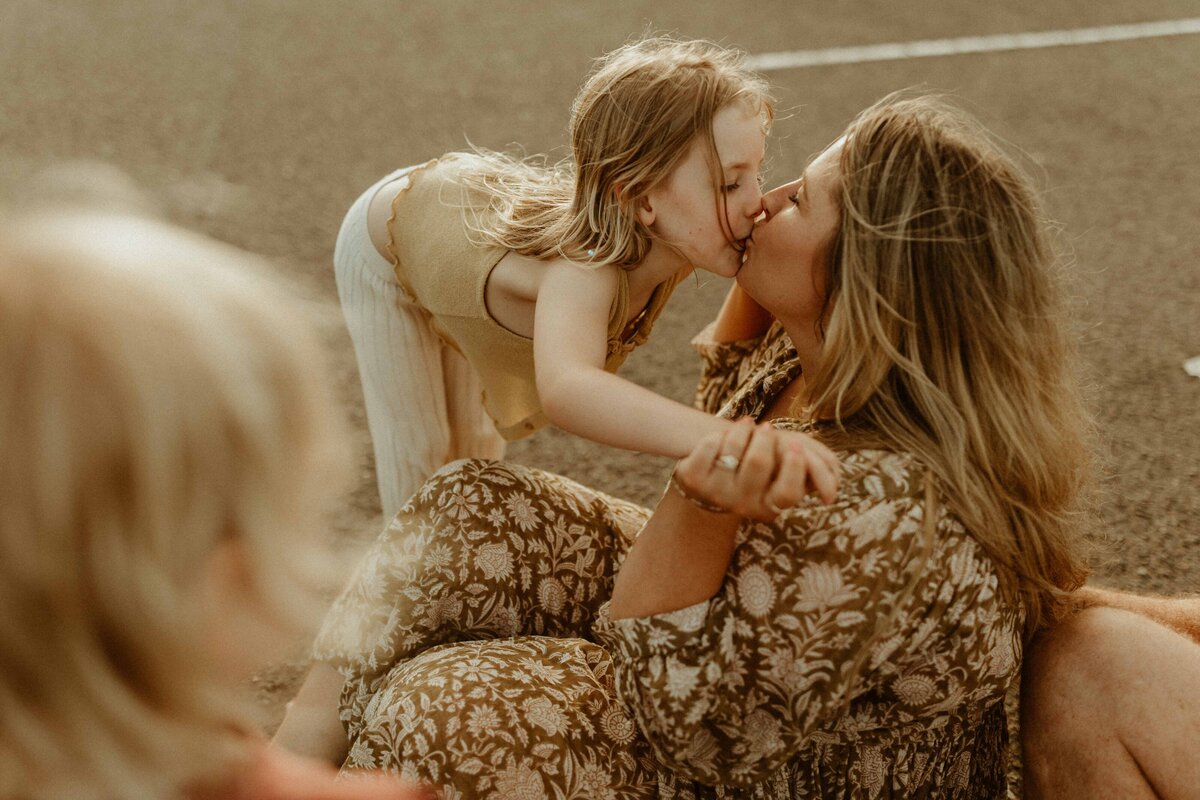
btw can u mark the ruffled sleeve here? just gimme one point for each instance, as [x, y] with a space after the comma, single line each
[728, 689]
[721, 368]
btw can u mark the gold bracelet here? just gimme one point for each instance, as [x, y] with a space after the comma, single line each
[703, 505]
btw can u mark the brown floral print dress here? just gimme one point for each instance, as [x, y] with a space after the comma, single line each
[859, 649]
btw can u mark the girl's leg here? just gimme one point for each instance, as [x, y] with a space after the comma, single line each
[424, 409]
[473, 434]
[1109, 709]
[399, 361]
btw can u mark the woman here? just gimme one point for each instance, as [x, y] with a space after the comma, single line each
[169, 453]
[896, 302]
[474, 275]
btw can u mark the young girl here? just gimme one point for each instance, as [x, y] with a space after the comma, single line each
[477, 274]
[169, 450]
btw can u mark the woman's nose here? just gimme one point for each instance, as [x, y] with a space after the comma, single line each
[775, 200]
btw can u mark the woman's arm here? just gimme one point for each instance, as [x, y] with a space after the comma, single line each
[570, 348]
[682, 554]
[725, 346]
[738, 640]
[740, 318]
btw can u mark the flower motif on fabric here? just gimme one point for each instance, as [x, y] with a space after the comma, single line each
[755, 591]
[520, 782]
[618, 726]
[545, 714]
[522, 512]
[822, 586]
[916, 690]
[494, 560]
[552, 595]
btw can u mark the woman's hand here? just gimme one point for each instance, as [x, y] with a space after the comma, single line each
[757, 471]
[682, 555]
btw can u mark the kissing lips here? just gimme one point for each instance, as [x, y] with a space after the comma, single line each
[749, 240]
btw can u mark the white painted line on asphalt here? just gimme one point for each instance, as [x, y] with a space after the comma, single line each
[925, 48]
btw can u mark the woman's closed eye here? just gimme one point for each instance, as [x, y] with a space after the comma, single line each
[799, 195]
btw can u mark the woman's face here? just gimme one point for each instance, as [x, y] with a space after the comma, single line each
[682, 209]
[787, 257]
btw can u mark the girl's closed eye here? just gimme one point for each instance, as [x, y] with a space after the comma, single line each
[732, 187]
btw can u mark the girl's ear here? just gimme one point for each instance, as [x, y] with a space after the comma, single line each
[645, 211]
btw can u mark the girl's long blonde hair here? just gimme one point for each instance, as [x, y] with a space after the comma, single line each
[160, 398]
[633, 121]
[951, 337]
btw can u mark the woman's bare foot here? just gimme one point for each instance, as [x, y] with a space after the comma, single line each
[311, 726]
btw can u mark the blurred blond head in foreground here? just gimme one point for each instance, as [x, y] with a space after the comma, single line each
[169, 448]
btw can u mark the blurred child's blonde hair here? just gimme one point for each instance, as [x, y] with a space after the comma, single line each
[633, 121]
[160, 397]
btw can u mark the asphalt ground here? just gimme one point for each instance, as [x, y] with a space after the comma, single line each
[259, 121]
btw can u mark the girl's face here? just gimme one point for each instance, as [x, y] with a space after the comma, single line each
[787, 257]
[682, 211]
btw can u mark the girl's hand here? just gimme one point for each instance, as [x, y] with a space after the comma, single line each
[756, 471]
[824, 470]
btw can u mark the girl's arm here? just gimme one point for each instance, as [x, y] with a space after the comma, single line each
[570, 347]
[740, 318]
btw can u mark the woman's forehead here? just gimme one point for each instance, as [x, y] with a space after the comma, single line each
[823, 166]
[827, 159]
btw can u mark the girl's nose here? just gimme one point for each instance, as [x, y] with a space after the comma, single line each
[756, 208]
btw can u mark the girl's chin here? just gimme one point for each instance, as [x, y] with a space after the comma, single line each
[729, 266]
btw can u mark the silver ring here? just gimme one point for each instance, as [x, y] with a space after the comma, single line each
[728, 461]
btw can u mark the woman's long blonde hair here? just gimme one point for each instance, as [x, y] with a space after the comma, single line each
[160, 398]
[951, 337]
[633, 121]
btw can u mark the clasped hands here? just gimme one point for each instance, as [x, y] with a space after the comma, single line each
[756, 471]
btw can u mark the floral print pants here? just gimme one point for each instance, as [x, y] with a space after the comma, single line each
[465, 638]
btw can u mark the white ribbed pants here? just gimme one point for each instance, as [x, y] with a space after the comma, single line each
[424, 400]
